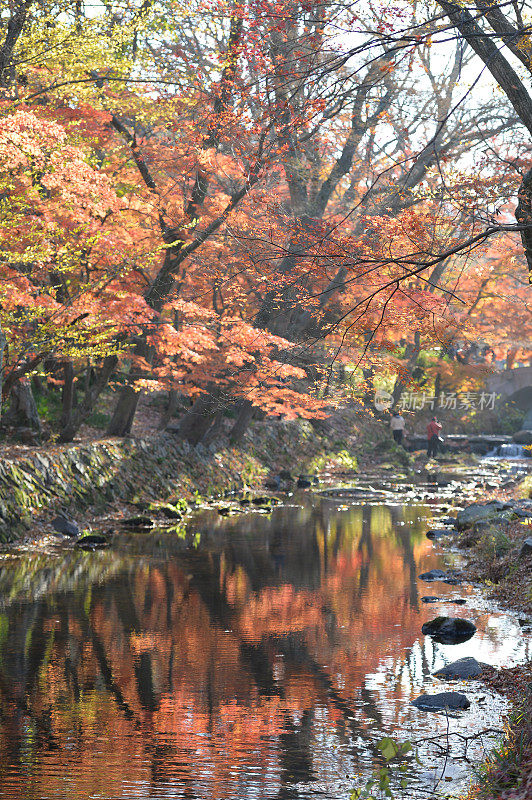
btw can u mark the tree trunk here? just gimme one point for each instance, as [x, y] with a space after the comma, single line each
[67, 394]
[245, 415]
[92, 392]
[170, 409]
[199, 419]
[124, 413]
[23, 409]
[128, 400]
[215, 427]
[523, 215]
[403, 379]
[2, 347]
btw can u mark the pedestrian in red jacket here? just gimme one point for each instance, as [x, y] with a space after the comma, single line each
[433, 437]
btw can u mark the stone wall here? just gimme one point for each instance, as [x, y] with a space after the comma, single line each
[39, 481]
[94, 474]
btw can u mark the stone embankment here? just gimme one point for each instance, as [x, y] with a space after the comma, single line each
[35, 483]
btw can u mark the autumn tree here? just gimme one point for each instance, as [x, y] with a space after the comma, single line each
[222, 202]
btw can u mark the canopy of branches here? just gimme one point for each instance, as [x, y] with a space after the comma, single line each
[227, 201]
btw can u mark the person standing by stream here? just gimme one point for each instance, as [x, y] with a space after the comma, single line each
[433, 437]
[397, 424]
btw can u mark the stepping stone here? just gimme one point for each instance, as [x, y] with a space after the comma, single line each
[437, 533]
[449, 630]
[433, 575]
[452, 701]
[463, 669]
[450, 576]
[459, 601]
[135, 523]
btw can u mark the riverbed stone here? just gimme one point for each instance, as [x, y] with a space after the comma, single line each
[138, 523]
[437, 533]
[480, 512]
[453, 701]
[445, 478]
[65, 526]
[430, 599]
[450, 576]
[92, 541]
[522, 437]
[449, 630]
[433, 575]
[462, 669]
[526, 548]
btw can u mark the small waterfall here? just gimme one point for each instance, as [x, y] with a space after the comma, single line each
[508, 451]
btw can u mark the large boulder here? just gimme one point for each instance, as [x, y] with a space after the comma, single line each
[452, 701]
[462, 670]
[522, 437]
[449, 630]
[482, 512]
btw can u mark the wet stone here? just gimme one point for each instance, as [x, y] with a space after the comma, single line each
[437, 533]
[462, 669]
[136, 523]
[453, 701]
[92, 541]
[450, 576]
[433, 575]
[449, 630]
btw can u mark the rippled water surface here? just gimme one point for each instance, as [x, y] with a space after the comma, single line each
[263, 659]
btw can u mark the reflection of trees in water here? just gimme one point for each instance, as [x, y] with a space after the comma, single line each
[404, 537]
[173, 644]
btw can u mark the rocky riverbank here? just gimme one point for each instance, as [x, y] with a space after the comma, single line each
[501, 557]
[497, 538]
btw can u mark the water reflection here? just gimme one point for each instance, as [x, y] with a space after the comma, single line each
[264, 663]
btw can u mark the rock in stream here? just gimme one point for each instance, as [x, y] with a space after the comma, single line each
[449, 630]
[453, 701]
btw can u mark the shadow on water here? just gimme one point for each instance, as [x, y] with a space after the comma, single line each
[265, 662]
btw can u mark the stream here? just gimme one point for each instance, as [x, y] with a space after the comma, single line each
[260, 655]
